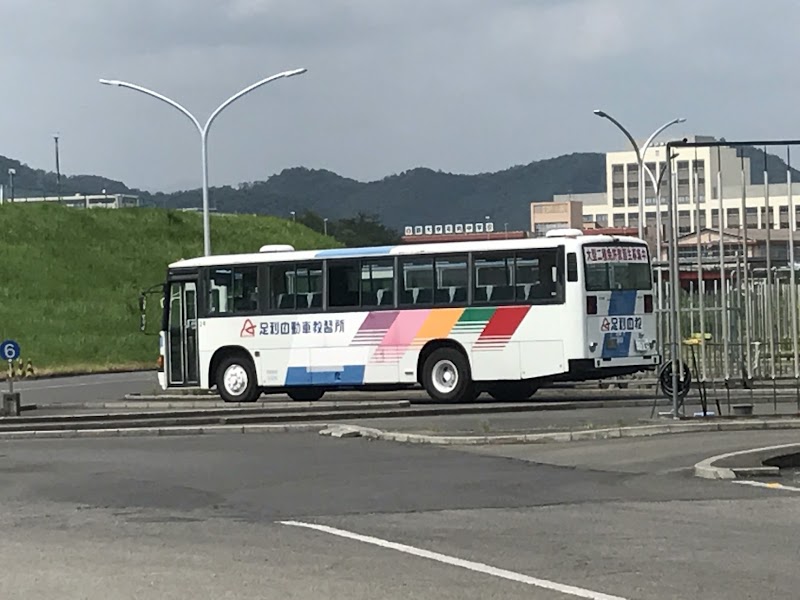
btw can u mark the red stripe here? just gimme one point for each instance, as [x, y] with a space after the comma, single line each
[504, 323]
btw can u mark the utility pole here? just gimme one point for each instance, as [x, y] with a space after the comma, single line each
[58, 171]
[11, 173]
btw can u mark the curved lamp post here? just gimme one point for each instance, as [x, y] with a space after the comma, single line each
[639, 157]
[203, 130]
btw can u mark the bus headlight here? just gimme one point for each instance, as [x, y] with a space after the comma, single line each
[592, 346]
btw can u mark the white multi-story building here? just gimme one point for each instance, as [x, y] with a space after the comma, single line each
[697, 177]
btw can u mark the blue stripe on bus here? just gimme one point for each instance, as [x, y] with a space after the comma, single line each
[622, 302]
[348, 375]
[345, 252]
[622, 347]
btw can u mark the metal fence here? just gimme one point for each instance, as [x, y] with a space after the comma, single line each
[727, 289]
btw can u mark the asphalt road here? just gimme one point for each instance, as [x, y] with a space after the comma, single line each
[86, 388]
[206, 517]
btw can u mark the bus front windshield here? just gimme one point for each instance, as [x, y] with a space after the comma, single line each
[617, 267]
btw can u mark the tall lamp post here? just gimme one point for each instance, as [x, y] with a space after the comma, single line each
[659, 273]
[203, 130]
[639, 156]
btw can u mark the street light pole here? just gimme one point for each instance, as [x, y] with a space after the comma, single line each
[639, 156]
[659, 242]
[203, 130]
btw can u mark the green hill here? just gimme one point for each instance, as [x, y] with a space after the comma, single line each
[414, 197]
[70, 278]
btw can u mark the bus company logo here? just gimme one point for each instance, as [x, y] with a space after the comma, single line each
[248, 329]
[621, 324]
[272, 328]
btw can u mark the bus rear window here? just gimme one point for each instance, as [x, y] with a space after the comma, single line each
[617, 267]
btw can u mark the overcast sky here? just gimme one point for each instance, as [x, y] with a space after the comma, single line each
[459, 85]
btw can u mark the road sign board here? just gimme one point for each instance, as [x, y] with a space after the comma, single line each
[9, 350]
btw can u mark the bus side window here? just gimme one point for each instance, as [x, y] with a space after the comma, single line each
[492, 278]
[538, 278]
[281, 287]
[343, 285]
[377, 282]
[416, 281]
[233, 290]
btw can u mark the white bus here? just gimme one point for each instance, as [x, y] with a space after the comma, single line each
[458, 318]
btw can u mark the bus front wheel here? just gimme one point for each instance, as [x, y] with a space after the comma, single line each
[236, 379]
[446, 376]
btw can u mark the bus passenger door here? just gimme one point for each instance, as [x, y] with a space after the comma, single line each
[182, 359]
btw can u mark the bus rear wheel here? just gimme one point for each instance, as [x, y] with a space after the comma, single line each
[306, 394]
[236, 379]
[447, 378]
[512, 391]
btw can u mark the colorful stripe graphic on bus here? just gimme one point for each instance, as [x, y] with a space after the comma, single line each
[396, 332]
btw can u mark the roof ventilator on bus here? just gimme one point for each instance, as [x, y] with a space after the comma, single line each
[570, 233]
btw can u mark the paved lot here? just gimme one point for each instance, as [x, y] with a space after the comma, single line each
[200, 517]
[85, 388]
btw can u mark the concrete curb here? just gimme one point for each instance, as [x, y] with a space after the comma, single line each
[760, 396]
[707, 469]
[349, 410]
[476, 406]
[161, 431]
[561, 436]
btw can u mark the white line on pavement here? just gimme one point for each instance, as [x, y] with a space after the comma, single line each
[458, 562]
[772, 486]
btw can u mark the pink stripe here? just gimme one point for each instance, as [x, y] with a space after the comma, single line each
[404, 328]
[401, 334]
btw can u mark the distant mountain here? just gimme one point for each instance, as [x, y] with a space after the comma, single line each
[37, 182]
[416, 196]
[776, 166]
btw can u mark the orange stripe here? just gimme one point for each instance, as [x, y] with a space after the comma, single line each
[439, 323]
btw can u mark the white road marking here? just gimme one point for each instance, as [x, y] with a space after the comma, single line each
[458, 562]
[772, 486]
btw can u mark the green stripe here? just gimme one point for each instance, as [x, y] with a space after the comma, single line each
[475, 315]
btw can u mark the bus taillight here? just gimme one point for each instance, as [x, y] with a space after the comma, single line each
[160, 362]
[591, 305]
[648, 303]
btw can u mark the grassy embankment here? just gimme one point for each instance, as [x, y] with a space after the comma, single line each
[70, 278]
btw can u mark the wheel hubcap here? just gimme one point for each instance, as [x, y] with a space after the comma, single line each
[235, 379]
[444, 376]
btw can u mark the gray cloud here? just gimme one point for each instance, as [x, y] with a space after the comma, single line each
[460, 85]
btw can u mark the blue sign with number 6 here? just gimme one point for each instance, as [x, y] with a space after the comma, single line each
[9, 350]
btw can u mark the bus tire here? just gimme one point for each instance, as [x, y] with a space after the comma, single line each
[236, 379]
[512, 391]
[306, 394]
[446, 376]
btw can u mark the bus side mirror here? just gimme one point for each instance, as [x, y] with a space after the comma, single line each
[156, 289]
